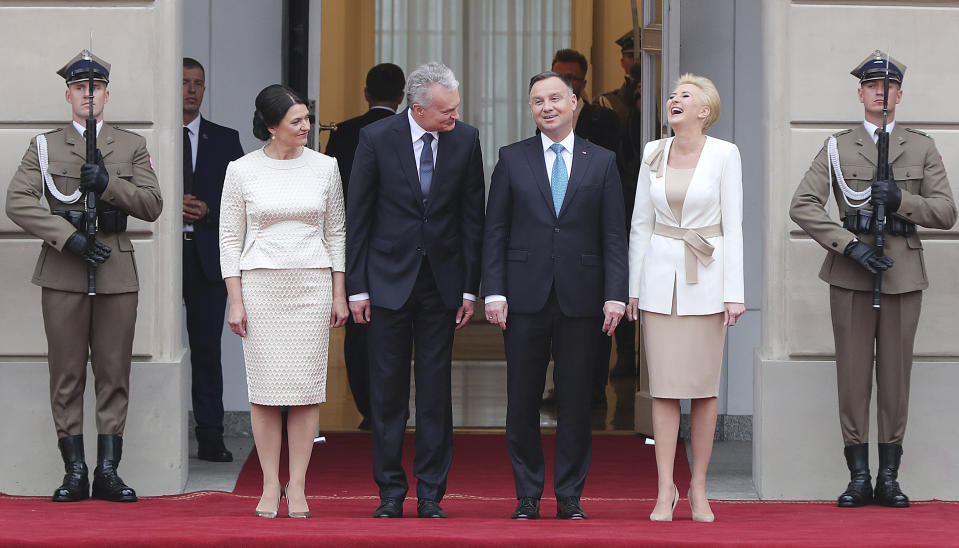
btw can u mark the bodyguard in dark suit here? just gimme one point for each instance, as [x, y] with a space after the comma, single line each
[600, 125]
[384, 92]
[207, 149]
[554, 254]
[414, 226]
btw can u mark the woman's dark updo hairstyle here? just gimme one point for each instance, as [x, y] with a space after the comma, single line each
[271, 106]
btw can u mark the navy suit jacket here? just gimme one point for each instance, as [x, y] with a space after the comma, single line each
[217, 146]
[388, 227]
[528, 249]
[343, 141]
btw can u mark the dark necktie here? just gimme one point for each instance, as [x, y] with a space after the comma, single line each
[187, 162]
[426, 165]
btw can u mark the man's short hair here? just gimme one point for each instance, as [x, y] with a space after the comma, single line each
[571, 56]
[419, 89]
[385, 82]
[189, 62]
[550, 74]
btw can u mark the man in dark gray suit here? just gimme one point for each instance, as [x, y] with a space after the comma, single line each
[414, 229]
[554, 255]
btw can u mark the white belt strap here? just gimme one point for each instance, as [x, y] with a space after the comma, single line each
[47, 179]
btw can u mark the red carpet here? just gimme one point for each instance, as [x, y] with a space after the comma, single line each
[622, 467]
[342, 496]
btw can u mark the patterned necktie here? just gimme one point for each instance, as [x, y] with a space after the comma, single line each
[560, 177]
[426, 165]
[187, 162]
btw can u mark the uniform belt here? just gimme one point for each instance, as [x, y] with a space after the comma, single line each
[697, 248]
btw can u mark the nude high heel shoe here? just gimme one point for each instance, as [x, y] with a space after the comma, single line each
[666, 516]
[291, 513]
[705, 517]
[271, 513]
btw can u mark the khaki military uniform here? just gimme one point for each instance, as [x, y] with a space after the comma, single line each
[858, 328]
[619, 100]
[77, 325]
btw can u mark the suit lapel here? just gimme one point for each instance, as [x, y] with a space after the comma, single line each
[867, 149]
[201, 143]
[897, 143]
[405, 156]
[658, 185]
[75, 141]
[444, 146]
[582, 154]
[106, 141]
[537, 165]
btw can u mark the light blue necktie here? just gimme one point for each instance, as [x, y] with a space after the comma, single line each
[560, 177]
[426, 165]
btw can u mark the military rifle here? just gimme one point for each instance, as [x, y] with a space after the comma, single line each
[883, 172]
[90, 209]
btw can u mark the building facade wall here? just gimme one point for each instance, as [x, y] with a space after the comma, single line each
[809, 48]
[155, 438]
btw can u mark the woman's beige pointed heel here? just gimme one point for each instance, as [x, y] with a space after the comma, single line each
[667, 516]
[271, 513]
[291, 513]
[705, 517]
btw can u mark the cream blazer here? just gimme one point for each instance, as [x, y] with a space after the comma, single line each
[282, 214]
[715, 196]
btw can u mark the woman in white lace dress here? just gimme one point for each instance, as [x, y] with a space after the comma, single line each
[282, 252]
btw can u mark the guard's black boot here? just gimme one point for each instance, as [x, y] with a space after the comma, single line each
[107, 485]
[76, 481]
[859, 491]
[887, 486]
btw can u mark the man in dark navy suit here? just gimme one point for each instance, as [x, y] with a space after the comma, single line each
[554, 276]
[207, 149]
[384, 92]
[414, 229]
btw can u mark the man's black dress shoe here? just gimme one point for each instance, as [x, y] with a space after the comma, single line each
[214, 451]
[427, 508]
[528, 508]
[569, 508]
[389, 508]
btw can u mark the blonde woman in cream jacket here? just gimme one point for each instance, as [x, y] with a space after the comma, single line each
[686, 274]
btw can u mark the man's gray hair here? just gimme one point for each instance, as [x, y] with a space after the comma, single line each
[420, 83]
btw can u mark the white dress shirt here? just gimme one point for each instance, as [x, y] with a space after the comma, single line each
[416, 135]
[193, 130]
[871, 129]
[82, 128]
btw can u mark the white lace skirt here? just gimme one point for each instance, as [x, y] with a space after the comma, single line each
[287, 334]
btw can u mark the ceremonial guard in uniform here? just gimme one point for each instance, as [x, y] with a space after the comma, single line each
[79, 325]
[915, 193]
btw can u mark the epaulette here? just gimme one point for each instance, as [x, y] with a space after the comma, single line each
[118, 128]
[919, 131]
[843, 132]
[52, 131]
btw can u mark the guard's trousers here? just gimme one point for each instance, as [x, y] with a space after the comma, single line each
[861, 332]
[100, 328]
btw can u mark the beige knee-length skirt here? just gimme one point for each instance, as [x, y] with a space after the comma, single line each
[684, 354]
[287, 341]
